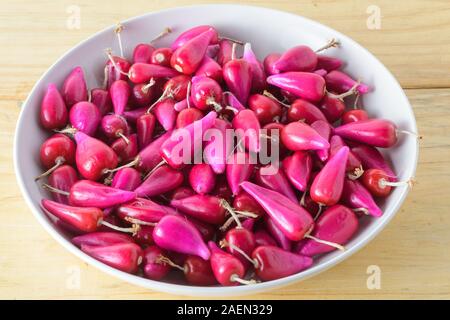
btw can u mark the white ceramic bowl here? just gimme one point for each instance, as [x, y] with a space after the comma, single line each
[268, 31]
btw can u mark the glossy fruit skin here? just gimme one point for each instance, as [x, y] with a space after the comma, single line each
[187, 116]
[244, 240]
[144, 210]
[113, 74]
[192, 33]
[63, 179]
[203, 207]
[152, 268]
[211, 69]
[332, 108]
[125, 151]
[299, 58]
[187, 58]
[275, 263]
[238, 169]
[336, 224]
[225, 51]
[144, 236]
[328, 63]
[372, 178]
[289, 217]
[225, 265]
[165, 113]
[126, 179]
[143, 53]
[93, 157]
[175, 233]
[58, 146]
[53, 112]
[178, 86]
[297, 136]
[74, 87]
[113, 125]
[374, 132]
[354, 115]
[245, 202]
[340, 82]
[202, 178]
[145, 126]
[336, 143]
[143, 72]
[262, 238]
[238, 77]
[272, 176]
[203, 90]
[123, 256]
[308, 86]
[100, 97]
[85, 193]
[371, 158]
[269, 62]
[161, 56]
[327, 186]
[297, 169]
[277, 234]
[267, 110]
[303, 110]
[247, 127]
[100, 238]
[85, 219]
[160, 181]
[143, 96]
[356, 196]
[198, 272]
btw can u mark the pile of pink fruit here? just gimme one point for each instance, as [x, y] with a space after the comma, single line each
[121, 192]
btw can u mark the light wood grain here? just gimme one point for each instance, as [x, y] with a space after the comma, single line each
[412, 251]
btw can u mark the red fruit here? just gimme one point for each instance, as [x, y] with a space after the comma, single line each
[53, 113]
[238, 77]
[161, 56]
[142, 94]
[225, 266]
[275, 263]
[198, 271]
[266, 109]
[178, 86]
[354, 115]
[187, 116]
[85, 219]
[123, 256]
[93, 157]
[102, 100]
[332, 108]
[143, 53]
[306, 111]
[145, 126]
[242, 239]
[113, 74]
[62, 179]
[126, 150]
[153, 268]
[59, 148]
[374, 180]
[74, 88]
[203, 207]
[245, 202]
[187, 58]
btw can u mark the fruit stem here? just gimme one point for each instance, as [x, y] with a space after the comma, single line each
[162, 34]
[383, 183]
[319, 211]
[139, 222]
[164, 260]
[211, 101]
[121, 135]
[409, 133]
[350, 92]
[235, 278]
[117, 31]
[357, 172]
[302, 199]
[163, 162]
[329, 243]
[247, 214]
[362, 210]
[230, 209]
[58, 162]
[232, 40]
[165, 94]
[133, 230]
[55, 190]
[134, 162]
[224, 243]
[333, 43]
[233, 51]
[229, 221]
[150, 84]
[271, 96]
[110, 57]
[188, 94]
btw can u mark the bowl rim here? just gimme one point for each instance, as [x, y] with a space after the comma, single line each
[188, 290]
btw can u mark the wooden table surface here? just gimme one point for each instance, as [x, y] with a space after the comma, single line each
[413, 252]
